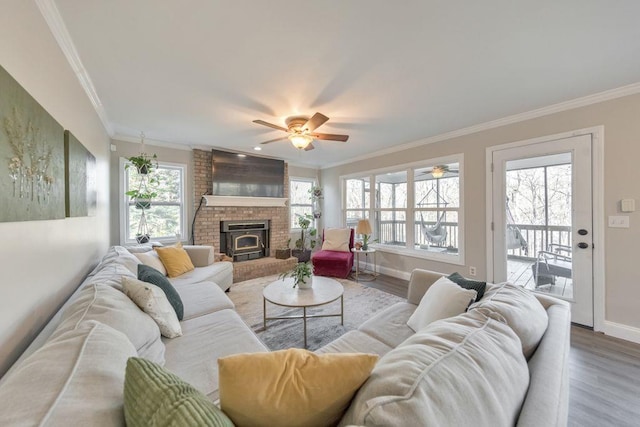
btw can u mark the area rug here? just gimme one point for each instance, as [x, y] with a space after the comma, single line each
[360, 303]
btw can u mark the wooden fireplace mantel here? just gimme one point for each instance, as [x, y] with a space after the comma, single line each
[245, 201]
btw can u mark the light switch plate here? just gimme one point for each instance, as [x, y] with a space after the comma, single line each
[618, 221]
[628, 205]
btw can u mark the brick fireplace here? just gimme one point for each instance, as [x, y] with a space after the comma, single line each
[208, 222]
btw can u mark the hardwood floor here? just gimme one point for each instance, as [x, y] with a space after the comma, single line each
[604, 373]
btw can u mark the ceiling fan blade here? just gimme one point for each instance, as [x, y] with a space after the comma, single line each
[274, 140]
[314, 122]
[309, 147]
[271, 125]
[330, 137]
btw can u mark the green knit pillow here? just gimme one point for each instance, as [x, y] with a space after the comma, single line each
[154, 396]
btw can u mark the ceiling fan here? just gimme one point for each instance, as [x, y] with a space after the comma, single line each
[440, 171]
[300, 130]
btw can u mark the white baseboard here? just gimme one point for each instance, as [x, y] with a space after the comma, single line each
[618, 330]
[399, 274]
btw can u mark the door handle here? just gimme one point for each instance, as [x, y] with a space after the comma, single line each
[583, 232]
[583, 245]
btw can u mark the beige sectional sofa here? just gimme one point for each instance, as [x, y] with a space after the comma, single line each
[544, 394]
[77, 353]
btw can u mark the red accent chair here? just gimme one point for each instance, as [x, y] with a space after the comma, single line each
[333, 263]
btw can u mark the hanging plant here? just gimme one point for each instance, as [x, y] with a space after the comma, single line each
[316, 192]
[142, 199]
[143, 163]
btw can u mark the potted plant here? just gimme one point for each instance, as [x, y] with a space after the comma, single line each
[142, 238]
[142, 198]
[144, 163]
[307, 240]
[301, 274]
[284, 253]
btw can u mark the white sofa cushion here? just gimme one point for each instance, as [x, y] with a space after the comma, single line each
[202, 298]
[220, 273]
[152, 300]
[442, 300]
[355, 342]
[389, 326]
[113, 308]
[74, 379]
[519, 309]
[204, 339]
[463, 371]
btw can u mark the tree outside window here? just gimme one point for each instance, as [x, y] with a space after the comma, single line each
[165, 217]
[300, 199]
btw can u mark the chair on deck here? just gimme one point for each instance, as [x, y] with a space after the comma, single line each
[552, 263]
[335, 259]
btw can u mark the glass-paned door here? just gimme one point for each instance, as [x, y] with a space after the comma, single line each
[543, 220]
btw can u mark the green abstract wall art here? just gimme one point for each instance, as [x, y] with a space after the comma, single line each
[31, 157]
[79, 177]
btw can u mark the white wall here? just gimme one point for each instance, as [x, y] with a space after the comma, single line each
[42, 262]
[621, 120]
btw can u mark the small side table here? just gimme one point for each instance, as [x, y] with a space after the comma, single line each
[368, 275]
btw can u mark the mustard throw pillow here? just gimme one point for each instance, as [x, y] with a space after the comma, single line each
[291, 387]
[175, 259]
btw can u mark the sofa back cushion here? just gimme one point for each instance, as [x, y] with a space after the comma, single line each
[462, 371]
[113, 308]
[152, 260]
[76, 378]
[519, 309]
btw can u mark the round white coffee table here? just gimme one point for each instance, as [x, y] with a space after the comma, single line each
[282, 293]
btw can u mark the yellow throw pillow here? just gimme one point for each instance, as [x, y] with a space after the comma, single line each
[291, 387]
[175, 259]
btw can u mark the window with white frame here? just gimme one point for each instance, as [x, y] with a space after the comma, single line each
[416, 209]
[300, 201]
[357, 200]
[166, 215]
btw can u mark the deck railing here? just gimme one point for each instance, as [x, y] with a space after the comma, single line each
[538, 237]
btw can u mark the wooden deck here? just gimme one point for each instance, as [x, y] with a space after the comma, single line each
[519, 272]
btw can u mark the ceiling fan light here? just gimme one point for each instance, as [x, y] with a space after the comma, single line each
[300, 141]
[438, 171]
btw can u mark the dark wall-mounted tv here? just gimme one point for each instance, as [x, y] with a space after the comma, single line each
[236, 174]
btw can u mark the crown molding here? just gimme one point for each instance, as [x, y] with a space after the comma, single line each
[584, 101]
[152, 142]
[54, 20]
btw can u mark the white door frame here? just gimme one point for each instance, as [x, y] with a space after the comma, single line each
[597, 170]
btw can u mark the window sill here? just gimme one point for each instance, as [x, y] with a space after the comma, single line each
[421, 254]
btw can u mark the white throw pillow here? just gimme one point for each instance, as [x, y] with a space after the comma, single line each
[152, 260]
[152, 300]
[336, 239]
[442, 300]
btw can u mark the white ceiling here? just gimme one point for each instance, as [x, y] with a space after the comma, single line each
[198, 72]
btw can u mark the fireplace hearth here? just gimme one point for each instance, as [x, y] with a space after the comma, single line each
[244, 240]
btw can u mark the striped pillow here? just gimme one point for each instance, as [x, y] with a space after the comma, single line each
[477, 286]
[154, 396]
